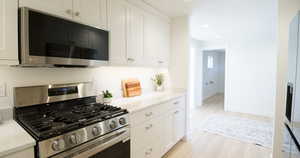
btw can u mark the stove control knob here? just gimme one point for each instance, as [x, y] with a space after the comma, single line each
[96, 130]
[122, 121]
[58, 145]
[73, 139]
[113, 124]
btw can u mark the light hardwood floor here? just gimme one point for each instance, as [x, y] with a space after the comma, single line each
[206, 145]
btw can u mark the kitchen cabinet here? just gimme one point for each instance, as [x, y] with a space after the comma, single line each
[8, 32]
[138, 38]
[156, 41]
[63, 8]
[134, 35]
[92, 12]
[28, 153]
[117, 27]
[155, 130]
[126, 26]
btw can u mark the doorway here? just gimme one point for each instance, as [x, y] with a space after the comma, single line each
[213, 72]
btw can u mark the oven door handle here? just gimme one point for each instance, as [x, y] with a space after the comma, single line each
[91, 148]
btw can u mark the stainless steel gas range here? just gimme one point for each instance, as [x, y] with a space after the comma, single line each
[67, 122]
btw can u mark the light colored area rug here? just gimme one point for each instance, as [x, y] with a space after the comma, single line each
[239, 128]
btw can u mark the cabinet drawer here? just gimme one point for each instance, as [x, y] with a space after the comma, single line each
[142, 116]
[142, 135]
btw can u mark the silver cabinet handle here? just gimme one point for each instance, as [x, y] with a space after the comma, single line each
[77, 13]
[149, 127]
[176, 103]
[149, 152]
[176, 112]
[160, 62]
[130, 59]
[149, 114]
[69, 11]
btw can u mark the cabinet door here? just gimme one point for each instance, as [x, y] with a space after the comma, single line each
[28, 153]
[156, 41]
[135, 22]
[117, 27]
[92, 12]
[62, 8]
[167, 130]
[150, 40]
[178, 124]
[164, 44]
[8, 32]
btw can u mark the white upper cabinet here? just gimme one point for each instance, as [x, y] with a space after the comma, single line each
[156, 41]
[135, 26]
[117, 27]
[8, 32]
[63, 8]
[91, 12]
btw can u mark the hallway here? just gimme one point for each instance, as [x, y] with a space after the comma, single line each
[206, 145]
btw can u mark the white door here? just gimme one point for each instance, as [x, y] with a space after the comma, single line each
[8, 31]
[91, 12]
[135, 39]
[210, 74]
[117, 27]
[62, 8]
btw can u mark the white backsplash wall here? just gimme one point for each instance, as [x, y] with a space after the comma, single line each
[103, 78]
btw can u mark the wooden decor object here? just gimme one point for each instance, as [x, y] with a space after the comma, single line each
[131, 88]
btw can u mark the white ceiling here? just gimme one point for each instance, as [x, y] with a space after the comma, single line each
[248, 20]
[171, 8]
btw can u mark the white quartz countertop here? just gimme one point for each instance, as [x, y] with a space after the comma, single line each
[138, 103]
[13, 138]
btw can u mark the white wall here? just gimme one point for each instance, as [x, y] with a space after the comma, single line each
[216, 74]
[287, 9]
[249, 29]
[196, 71]
[103, 78]
[179, 60]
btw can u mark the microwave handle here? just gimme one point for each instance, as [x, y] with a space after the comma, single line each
[289, 101]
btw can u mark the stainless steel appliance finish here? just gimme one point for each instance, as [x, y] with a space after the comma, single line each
[98, 145]
[67, 122]
[28, 60]
[292, 120]
[69, 140]
[27, 96]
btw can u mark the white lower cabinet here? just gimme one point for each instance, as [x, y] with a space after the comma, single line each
[155, 136]
[27, 153]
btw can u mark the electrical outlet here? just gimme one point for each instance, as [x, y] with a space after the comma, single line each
[2, 90]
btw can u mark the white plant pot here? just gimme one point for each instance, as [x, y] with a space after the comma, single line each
[107, 100]
[159, 88]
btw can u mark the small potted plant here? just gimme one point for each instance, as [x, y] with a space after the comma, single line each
[107, 96]
[159, 82]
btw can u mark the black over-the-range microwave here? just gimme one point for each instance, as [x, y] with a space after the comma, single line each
[48, 40]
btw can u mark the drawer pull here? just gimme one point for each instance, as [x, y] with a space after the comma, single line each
[149, 114]
[176, 103]
[149, 152]
[176, 112]
[149, 127]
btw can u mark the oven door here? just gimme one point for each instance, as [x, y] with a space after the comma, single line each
[112, 145]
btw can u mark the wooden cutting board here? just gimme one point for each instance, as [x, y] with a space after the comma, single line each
[131, 88]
